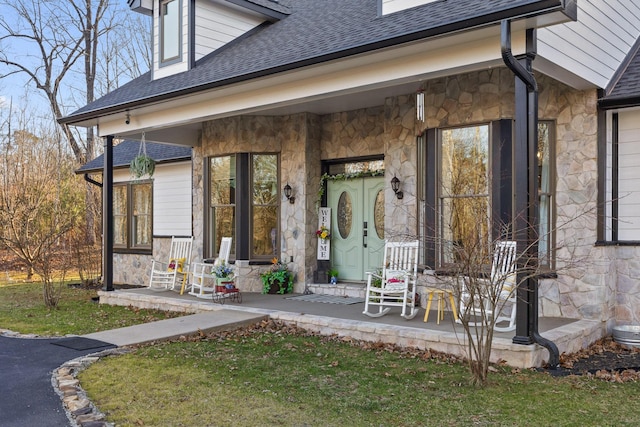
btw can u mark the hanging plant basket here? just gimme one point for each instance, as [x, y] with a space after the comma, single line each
[142, 165]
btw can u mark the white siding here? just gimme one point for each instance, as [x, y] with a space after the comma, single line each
[217, 25]
[391, 6]
[159, 72]
[594, 46]
[172, 200]
[629, 175]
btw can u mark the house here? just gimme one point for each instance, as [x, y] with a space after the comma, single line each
[333, 99]
[145, 208]
[619, 163]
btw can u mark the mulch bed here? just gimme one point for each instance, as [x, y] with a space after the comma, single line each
[605, 359]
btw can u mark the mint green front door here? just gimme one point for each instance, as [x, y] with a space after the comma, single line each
[357, 226]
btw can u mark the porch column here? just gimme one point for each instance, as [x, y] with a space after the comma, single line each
[107, 215]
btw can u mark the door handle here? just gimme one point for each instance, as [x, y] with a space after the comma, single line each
[364, 235]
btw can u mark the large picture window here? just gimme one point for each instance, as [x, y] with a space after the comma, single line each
[465, 194]
[463, 190]
[133, 216]
[244, 203]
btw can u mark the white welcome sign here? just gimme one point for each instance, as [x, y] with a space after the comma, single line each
[324, 245]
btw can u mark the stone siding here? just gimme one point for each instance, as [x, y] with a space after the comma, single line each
[585, 287]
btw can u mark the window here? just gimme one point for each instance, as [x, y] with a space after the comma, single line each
[222, 200]
[465, 189]
[251, 215]
[132, 214]
[546, 184]
[264, 205]
[170, 30]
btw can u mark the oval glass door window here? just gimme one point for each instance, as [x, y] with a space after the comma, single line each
[345, 215]
[378, 214]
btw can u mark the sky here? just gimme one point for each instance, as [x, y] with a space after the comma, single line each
[17, 89]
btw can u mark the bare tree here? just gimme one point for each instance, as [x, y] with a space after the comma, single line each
[39, 197]
[59, 44]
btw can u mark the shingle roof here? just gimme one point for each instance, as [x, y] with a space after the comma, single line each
[315, 31]
[626, 83]
[124, 152]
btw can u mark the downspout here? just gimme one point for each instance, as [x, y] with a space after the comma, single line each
[92, 181]
[526, 229]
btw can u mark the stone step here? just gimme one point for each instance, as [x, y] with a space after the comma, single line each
[355, 290]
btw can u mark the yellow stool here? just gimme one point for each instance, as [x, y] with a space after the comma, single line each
[441, 303]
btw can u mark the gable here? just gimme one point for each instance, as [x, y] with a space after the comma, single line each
[586, 53]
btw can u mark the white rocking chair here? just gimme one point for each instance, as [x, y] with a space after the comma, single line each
[165, 275]
[499, 291]
[395, 285]
[201, 271]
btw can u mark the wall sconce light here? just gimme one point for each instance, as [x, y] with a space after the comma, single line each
[395, 186]
[287, 193]
[420, 106]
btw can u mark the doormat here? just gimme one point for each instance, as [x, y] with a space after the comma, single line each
[80, 343]
[329, 299]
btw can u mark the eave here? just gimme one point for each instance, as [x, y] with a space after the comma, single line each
[540, 14]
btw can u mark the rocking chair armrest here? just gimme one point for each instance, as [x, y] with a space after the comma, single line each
[162, 264]
[371, 277]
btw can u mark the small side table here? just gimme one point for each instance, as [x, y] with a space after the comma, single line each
[441, 303]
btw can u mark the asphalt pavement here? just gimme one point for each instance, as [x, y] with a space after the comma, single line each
[27, 397]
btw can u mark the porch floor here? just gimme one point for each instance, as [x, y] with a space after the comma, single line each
[347, 320]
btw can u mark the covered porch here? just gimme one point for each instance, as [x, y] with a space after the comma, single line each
[347, 320]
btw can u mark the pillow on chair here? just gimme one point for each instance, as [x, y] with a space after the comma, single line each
[176, 264]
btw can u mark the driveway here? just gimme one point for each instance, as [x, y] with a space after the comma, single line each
[27, 397]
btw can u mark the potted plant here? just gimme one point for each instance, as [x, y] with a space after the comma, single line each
[224, 276]
[333, 275]
[142, 164]
[278, 279]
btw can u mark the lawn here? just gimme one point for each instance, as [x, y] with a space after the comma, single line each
[22, 310]
[275, 375]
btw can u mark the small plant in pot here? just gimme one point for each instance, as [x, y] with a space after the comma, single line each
[278, 279]
[333, 275]
[142, 165]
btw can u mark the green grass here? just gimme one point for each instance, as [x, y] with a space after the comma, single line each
[22, 310]
[271, 377]
[274, 375]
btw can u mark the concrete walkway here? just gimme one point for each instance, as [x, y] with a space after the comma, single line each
[176, 327]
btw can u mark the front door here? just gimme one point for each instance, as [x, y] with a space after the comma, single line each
[357, 226]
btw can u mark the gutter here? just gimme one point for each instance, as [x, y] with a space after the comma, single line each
[567, 7]
[527, 289]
